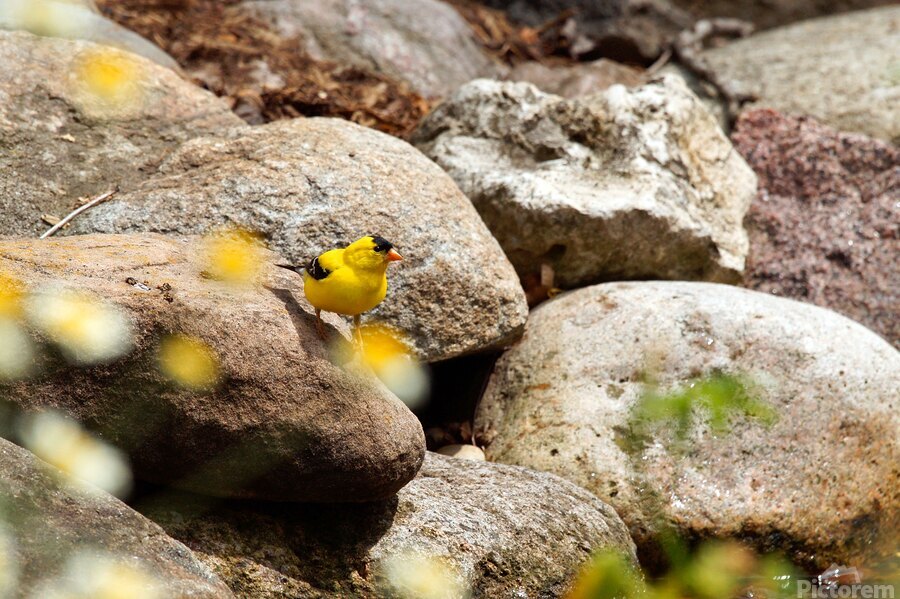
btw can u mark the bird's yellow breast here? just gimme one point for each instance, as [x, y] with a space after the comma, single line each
[346, 290]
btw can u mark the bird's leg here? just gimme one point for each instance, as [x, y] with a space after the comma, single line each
[320, 326]
[357, 331]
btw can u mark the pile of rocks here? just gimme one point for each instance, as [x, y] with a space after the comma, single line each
[299, 476]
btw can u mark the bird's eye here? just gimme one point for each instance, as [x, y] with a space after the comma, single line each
[381, 244]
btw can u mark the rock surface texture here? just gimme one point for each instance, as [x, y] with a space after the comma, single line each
[425, 43]
[825, 227]
[576, 80]
[64, 140]
[765, 13]
[314, 184]
[284, 423]
[820, 483]
[48, 520]
[841, 70]
[500, 531]
[626, 184]
[633, 31]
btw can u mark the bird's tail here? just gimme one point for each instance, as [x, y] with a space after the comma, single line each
[288, 267]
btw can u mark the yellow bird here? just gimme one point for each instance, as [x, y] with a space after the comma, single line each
[348, 281]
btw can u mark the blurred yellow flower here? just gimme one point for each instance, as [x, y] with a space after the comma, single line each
[16, 351]
[413, 576]
[389, 357]
[233, 256]
[63, 443]
[188, 362]
[93, 575]
[11, 293]
[108, 81]
[86, 329]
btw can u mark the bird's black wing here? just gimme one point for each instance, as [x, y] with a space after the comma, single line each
[316, 270]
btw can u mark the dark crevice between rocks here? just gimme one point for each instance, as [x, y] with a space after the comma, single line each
[328, 544]
[456, 388]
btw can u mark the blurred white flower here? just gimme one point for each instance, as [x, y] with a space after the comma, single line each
[16, 350]
[413, 576]
[62, 442]
[94, 575]
[50, 18]
[87, 330]
[9, 565]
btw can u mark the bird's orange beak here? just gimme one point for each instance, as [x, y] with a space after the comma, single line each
[393, 255]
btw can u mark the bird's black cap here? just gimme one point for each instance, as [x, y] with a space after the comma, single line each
[381, 244]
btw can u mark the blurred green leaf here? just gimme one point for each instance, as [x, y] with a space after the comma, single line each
[722, 397]
[609, 575]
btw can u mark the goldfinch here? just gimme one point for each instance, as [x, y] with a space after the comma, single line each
[349, 281]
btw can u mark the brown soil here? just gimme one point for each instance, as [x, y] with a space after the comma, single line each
[514, 44]
[263, 76]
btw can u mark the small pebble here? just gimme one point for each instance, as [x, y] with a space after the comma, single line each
[466, 452]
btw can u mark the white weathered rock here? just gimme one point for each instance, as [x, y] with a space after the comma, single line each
[425, 43]
[820, 483]
[626, 184]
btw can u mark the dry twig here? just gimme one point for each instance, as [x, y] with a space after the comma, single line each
[98, 200]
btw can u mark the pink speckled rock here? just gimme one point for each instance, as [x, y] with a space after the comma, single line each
[825, 227]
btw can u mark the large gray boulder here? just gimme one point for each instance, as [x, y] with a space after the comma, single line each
[284, 423]
[766, 13]
[425, 43]
[819, 484]
[63, 142]
[625, 184]
[840, 69]
[498, 531]
[310, 185]
[48, 521]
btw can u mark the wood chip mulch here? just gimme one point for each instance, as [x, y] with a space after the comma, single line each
[263, 76]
